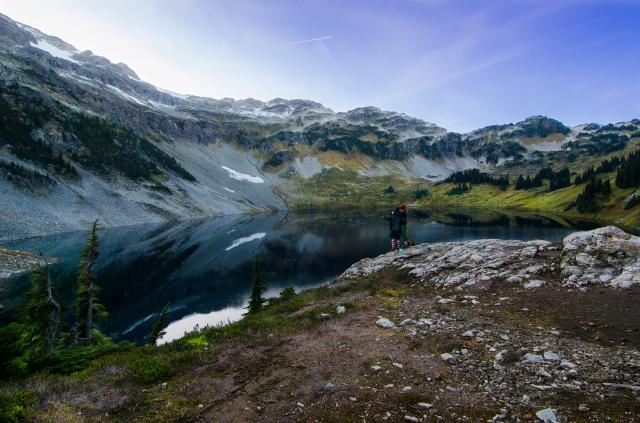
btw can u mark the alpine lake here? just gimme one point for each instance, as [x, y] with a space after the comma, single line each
[203, 268]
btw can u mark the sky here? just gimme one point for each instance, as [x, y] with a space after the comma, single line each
[462, 64]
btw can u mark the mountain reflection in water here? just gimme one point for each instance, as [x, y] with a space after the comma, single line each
[203, 268]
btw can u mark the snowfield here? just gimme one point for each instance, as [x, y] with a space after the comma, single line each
[53, 50]
[126, 96]
[243, 176]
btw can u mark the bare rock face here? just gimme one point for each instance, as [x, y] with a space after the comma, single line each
[604, 256]
[464, 263]
[607, 256]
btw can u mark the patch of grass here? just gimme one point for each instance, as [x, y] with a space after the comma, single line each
[17, 406]
[347, 188]
[150, 368]
[542, 200]
[392, 293]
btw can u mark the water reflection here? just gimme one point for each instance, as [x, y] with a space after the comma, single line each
[203, 268]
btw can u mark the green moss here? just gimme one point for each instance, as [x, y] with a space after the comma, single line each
[148, 368]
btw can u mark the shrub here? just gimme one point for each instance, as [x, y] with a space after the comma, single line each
[16, 407]
[459, 189]
[287, 293]
[150, 369]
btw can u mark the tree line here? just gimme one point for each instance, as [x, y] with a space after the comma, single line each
[607, 165]
[586, 202]
[629, 171]
[557, 180]
[475, 177]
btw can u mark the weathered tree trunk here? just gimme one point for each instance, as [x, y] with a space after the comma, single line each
[89, 322]
[55, 314]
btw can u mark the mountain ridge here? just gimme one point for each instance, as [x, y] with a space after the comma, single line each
[89, 132]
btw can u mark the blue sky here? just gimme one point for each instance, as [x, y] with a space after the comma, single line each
[460, 64]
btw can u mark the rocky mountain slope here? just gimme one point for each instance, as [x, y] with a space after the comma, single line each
[83, 138]
[488, 330]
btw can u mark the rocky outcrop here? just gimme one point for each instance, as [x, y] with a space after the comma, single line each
[15, 263]
[602, 256]
[466, 263]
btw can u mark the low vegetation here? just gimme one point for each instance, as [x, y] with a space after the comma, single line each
[549, 191]
[80, 366]
[475, 176]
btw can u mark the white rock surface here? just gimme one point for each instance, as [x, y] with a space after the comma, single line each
[385, 323]
[551, 356]
[533, 358]
[548, 415]
[537, 283]
[605, 255]
[447, 357]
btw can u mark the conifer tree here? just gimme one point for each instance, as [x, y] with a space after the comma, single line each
[536, 181]
[629, 171]
[258, 288]
[157, 331]
[41, 313]
[88, 307]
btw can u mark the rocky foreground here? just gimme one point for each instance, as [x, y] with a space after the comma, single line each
[481, 331]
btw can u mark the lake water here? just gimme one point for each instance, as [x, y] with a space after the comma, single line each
[203, 268]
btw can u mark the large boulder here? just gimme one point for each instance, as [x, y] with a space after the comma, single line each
[605, 255]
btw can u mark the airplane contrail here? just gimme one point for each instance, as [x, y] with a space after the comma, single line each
[326, 37]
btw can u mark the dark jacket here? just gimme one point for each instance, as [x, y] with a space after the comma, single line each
[395, 222]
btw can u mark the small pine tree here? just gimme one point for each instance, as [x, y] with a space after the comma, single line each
[157, 331]
[88, 307]
[287, 293]
[37, 324]
[258, 288]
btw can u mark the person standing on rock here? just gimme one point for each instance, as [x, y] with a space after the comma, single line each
[404, 240]
[395, 228]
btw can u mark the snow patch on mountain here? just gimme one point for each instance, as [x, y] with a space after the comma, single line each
[126, 96]
[53, 50]
[78, 78]
[243, 176]
[171, 93]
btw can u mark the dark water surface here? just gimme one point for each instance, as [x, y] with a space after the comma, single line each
[203, 268]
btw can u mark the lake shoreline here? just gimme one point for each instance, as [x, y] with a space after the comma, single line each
[422, 335]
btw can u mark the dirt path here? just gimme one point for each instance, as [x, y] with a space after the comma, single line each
[349, 369]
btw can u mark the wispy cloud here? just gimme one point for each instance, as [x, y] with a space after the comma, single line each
[311, 40]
